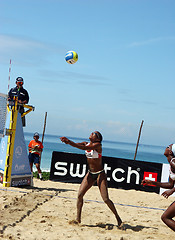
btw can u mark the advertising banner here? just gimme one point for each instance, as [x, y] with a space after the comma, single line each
[121, 173]
[165, 177]
[3, 146]
[20, 165]
[3, 110]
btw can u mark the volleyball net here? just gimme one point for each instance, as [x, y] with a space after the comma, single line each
[3, 109]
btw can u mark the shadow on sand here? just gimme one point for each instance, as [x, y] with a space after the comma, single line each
[40, 189]
[124, 227]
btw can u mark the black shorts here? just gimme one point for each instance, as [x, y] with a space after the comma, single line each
[34, 158]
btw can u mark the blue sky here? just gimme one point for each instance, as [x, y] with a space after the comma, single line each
[125, 72]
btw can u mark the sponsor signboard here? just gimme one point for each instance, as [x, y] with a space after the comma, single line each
[3, 146]
[21, 181]
[165, 177]
[20, 165]
[121, 173]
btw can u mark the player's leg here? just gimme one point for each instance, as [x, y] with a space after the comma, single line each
[87, 183]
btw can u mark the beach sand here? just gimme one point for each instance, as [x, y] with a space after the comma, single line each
[45, 210]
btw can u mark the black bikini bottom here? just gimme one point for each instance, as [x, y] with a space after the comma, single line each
[95, 175]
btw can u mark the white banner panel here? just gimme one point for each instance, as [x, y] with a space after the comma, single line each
[165, 177]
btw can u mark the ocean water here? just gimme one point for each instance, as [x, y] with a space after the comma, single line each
[52, 143]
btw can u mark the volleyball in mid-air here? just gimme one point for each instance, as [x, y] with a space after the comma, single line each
[71, 57]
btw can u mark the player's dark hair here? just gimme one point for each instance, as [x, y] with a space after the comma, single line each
[100, 137]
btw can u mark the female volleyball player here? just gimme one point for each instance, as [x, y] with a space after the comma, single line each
[93, 151]
[170, 212]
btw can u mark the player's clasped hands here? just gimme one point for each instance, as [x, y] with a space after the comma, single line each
[147, 182]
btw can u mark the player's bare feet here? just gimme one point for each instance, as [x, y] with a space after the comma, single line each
[74, 222]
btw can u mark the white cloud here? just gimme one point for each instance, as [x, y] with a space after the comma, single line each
[26, 50]
[8, 43]
[150, 41]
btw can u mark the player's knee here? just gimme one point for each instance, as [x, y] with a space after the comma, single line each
[80, 195]
[106, 200]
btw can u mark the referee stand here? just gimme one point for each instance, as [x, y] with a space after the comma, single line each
[14, 164]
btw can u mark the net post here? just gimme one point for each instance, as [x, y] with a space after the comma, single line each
[138, 139]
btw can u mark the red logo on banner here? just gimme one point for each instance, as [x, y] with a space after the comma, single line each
[150, 176]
